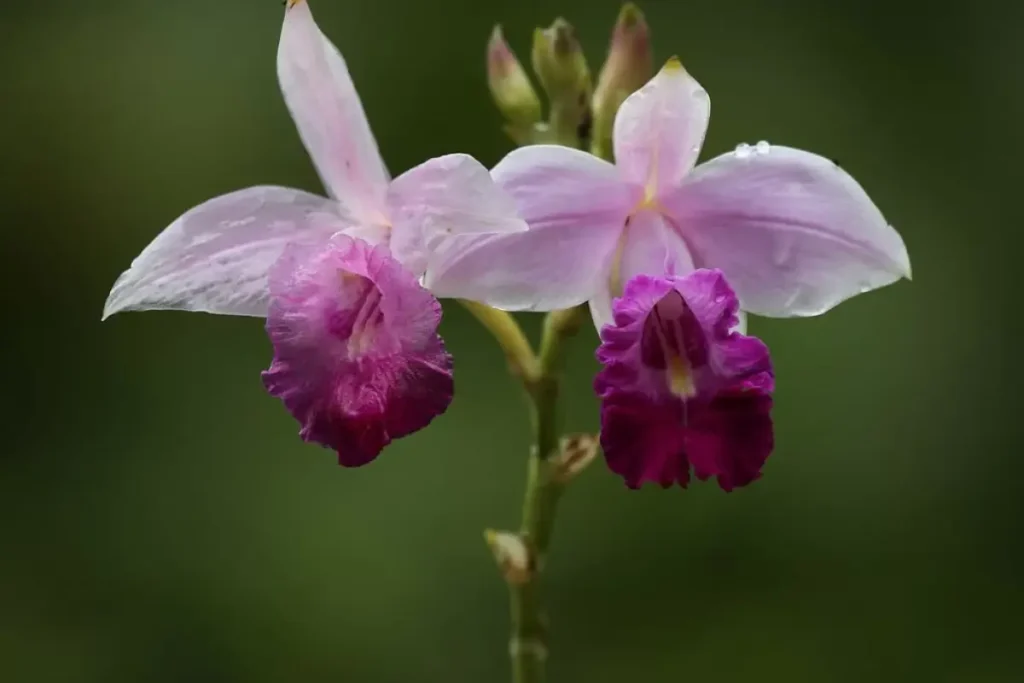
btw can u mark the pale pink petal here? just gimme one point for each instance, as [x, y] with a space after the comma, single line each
[649, 246]
[660, 128]
[601, 306]
[329, 115]
[438, 205]
[794, 234]
[575, 206]
[215, 258]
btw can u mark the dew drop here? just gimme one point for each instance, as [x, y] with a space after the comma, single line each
[743, 150]
[763, 147]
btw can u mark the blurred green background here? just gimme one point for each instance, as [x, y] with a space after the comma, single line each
[160, 521]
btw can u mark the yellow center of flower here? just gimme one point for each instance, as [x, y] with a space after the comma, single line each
[665, 321]
[679, 375]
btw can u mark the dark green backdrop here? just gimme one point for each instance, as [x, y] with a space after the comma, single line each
[161, 522]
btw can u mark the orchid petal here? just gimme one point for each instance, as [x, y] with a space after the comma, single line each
[215, 258]
[793, 232]
[357, 358]
[691, 319]
[660, 128]
[649, 246]
[575, 206]
[680, 388]
[644, 440]
[440, 204]
[601, 306]
[329, 115]
[731, 438]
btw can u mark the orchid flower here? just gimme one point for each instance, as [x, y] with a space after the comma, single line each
[794, 234]
[357, 358]
[680, 387]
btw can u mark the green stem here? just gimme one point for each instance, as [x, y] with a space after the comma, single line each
[528, 644]
[564, 123]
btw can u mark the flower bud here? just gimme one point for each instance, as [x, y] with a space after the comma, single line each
[629, 65]
[510, 86]
[575, 453]
[511, 554]
[562, 69]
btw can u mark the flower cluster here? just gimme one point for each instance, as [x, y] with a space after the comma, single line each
[667, 253]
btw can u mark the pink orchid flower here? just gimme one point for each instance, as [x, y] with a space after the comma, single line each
[794, 234]
[357, 358]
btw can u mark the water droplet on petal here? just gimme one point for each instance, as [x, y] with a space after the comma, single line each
[743, 150]
[763, 147]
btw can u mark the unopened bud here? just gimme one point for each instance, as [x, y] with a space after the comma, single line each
[575, 453]
[562, 69]
[558, 58]
[629, 65]
[510, 86]
[511, 554]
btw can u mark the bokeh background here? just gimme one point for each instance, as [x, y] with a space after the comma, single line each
[160, 521]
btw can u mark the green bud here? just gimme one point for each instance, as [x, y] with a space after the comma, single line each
[510, 86]
[562, 69]
[630, 64]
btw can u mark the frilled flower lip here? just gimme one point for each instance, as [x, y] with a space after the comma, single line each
[357, 358]
[680, 388]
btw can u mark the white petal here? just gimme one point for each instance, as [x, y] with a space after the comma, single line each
[329, 115]
[216, 257]
[575, 206]
[440, 204]
[794, 234]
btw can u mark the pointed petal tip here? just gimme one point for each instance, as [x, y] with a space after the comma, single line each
[114, 303]
[673, 64]
[905, 269]
[289, 4]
